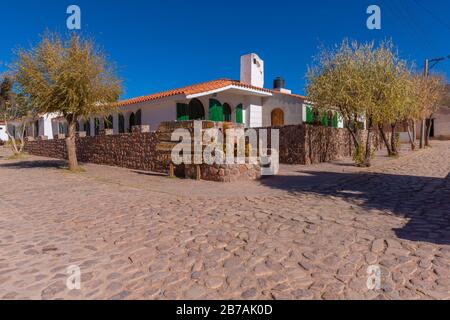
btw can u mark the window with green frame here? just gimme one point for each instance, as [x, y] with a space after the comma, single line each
[239, 114]
[309, 115]
[335, 120]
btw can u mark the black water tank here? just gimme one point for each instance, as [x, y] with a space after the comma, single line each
[279, 83]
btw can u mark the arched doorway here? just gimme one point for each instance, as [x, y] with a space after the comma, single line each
[226, 112]
[121, 123]
[196, 110]
[97, 126]
[132, 121]
[87, 127]
[277, 118]
[109, 122]
[138, 119]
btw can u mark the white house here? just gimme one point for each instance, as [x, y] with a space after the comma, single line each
[3, 134]
[243, 101]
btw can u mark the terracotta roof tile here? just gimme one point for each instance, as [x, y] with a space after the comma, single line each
[194, 89]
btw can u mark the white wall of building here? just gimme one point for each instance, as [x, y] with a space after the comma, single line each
[252, 70]
[3, 135]
[442, 123]
[292, 107]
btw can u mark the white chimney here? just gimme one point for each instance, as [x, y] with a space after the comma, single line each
[252, 70]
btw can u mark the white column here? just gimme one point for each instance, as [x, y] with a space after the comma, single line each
[116, 123]
[92, 124]
[47, 126]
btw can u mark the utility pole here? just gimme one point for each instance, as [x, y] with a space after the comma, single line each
[427, 67]
[423, 122]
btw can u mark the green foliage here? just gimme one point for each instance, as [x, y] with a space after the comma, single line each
[362, 81]
[70, 77]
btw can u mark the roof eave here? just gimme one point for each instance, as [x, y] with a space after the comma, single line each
[234, 88]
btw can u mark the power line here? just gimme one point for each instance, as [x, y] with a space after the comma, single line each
[402, 20]
[433, 14]
[413, 21]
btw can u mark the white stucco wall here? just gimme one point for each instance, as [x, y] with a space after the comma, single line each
[257, 110]
[292, 107]
[3, 134]
[252, 70]
[442, 123]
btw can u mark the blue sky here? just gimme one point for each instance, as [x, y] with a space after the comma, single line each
[160, 45]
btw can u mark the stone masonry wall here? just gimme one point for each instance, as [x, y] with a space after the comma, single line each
[308, 144]
[299, 144]
[133, 150]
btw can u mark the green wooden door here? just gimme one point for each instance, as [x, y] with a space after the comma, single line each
[215, 110]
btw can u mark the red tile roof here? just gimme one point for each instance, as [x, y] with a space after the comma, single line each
[195, 89]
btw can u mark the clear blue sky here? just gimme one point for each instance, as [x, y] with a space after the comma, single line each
[160, 45]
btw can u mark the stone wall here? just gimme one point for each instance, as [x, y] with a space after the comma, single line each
[299, 144]
[224, 172]
[308, 144]
[133, 150]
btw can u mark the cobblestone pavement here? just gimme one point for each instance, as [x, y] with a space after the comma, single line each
[310, 233]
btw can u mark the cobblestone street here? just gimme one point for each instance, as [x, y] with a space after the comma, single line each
[309, 233]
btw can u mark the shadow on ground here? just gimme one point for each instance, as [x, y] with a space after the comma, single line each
[35, 164]
[425, 201]
[150, 174]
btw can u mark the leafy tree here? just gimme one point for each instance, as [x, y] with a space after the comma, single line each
[70, 77]
[431, 94]
[363, 82]
[15, 108]
[336, 81]
[389, 88]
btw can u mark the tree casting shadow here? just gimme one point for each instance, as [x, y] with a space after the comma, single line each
[424, 201]
[35, 164]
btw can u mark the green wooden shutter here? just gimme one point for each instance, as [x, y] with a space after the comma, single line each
[325, 120]
[182, 112]
[335, 120]
[239, 114]
[309, 115]
[215, 111]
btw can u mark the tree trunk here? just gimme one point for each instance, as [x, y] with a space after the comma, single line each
[385, 139]
[14, 148]
[353, 134]
[71, 147]
[22, 138]
[412, 139]
[368, 155]
[428, 131]
[422, 134]
[394, 140]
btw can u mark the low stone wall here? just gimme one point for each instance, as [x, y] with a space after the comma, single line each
[225, 172]
[133, 150]
[299, 144]
[308, 144]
